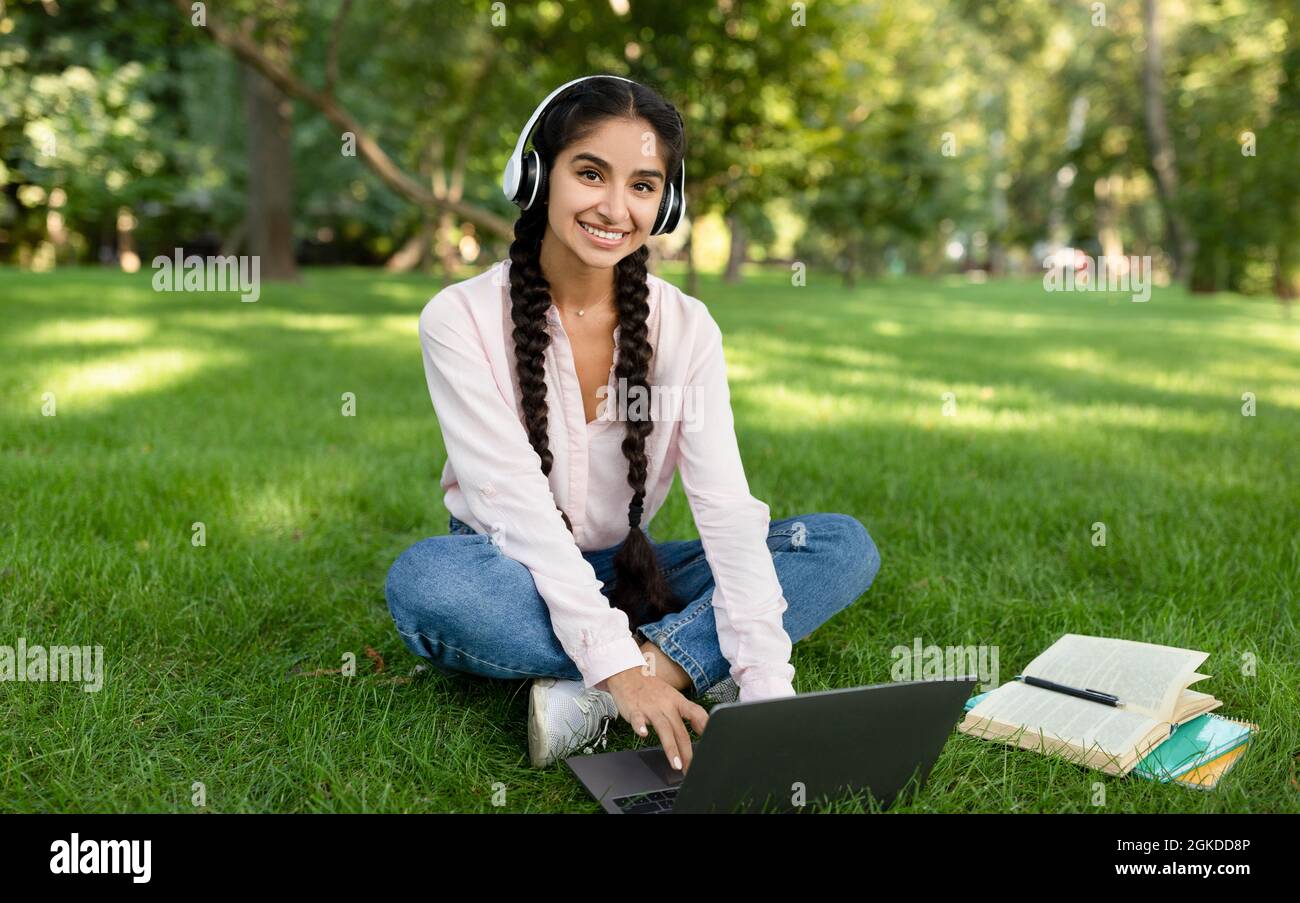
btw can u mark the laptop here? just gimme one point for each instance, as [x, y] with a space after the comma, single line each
[770, 755]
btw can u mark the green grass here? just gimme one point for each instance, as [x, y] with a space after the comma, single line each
[175, 408]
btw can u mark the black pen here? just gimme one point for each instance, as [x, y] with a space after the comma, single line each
[1094, 695]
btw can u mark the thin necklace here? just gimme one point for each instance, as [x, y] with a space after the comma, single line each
[582, 310]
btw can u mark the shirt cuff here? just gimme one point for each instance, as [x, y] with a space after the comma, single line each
[765, 687]
[598, 662]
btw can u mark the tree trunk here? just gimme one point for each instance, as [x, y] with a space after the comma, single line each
[1058, 229]
[452, 187]
[692, 282]
[998, 200]
[445, 247]
[1286, 281]
[1205, 273]
[848, 264]
[57, 229]
[127, 259]
[736, 255]
[414, 253]
[233, 241]
[1286, 276]
[1106, 216]
[270, 175]
[1163, 161]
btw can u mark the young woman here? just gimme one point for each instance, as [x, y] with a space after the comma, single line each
[547, 569]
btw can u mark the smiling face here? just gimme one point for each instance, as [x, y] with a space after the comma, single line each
[611, 181]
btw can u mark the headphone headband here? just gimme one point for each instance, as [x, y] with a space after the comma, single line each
[524, 176]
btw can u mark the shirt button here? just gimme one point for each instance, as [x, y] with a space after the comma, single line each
[488, 490]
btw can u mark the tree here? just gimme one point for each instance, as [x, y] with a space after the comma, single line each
[270, 162]
[252, 53]
[1163, 159]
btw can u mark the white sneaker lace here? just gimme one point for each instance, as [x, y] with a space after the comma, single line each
[587, 703]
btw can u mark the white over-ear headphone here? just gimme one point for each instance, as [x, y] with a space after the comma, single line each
[524, 175]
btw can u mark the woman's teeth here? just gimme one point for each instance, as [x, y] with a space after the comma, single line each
[601, 233]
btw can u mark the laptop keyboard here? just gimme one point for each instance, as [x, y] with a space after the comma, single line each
[651, 803]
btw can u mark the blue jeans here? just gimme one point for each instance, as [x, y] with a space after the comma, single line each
[461, 603]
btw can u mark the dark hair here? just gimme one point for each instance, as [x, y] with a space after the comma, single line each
[640, 589]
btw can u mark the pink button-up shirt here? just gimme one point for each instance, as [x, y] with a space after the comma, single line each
[493, 479]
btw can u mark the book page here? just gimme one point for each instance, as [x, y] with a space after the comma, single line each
[1079, 721]
[1146, 677]
[1193, 704]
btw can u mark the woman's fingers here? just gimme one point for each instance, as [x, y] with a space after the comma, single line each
[665, 710]
[684, 748]
[664, 731]
[698, 715]
[670, 739]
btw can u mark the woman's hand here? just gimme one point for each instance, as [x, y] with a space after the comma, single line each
[643, 698]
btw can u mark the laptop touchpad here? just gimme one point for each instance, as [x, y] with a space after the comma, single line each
[657, 761]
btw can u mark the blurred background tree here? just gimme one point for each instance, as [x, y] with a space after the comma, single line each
[860, 137]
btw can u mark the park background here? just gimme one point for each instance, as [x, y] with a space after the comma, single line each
[873, 191]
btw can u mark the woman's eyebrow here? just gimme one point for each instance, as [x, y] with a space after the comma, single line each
[640, 173]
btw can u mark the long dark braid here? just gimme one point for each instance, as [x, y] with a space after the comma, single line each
[530, 298]
[641, 590]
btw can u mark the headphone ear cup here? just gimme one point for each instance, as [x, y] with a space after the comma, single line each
[675, 215]
[527, 179]
[670, 212]
[664, 214]
[543, 182]
[679, 197]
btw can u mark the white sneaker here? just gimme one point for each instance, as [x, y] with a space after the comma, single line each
[565, 716]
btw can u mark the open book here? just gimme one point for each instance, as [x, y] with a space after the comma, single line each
[1151, 682]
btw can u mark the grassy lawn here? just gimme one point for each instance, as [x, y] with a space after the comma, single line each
[1070, 409]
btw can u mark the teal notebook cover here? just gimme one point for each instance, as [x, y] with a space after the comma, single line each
[1192, 744]
[1195, 742]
